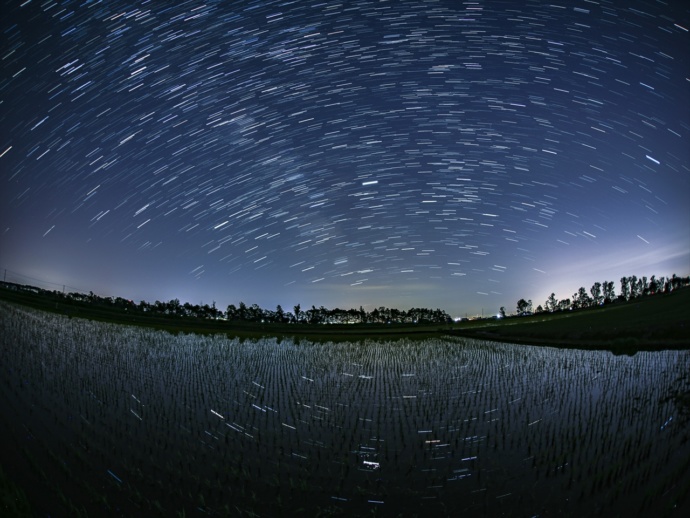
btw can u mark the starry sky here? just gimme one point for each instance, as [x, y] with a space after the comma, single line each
[444, 154]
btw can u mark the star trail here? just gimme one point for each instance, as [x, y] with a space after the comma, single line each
[445, 154]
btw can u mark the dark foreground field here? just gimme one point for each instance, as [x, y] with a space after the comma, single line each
[100, 419]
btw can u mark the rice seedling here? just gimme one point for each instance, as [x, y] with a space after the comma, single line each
[113, 417]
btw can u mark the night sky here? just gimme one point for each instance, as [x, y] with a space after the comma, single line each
[449, 154]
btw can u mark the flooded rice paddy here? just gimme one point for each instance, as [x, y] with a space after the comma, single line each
[107, 420]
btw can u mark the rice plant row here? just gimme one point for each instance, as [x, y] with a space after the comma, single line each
[107, 419]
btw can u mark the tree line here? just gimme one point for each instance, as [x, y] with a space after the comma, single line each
[322, 315]
[604, 293]
[599, 294]
[248, 313]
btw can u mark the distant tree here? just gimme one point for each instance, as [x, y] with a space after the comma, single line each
[173, 307]
[205, 311]
[121, 303]
[577, 304]
[324, 315]
[374, 315]
[660, 283]
[441, 317]
[684, 281]
[609, 291]
[242, 311]
[581, 299]
[524, 307]
[268, 315]
[551, 303]
[597, 297]
[632, 281]
[313, 315]
[675, 282]
[298, 311]
[564, 305]
[352, 316]
[280, 314]
[625, 288]
[502, 312]
[539, 309]
[652, 289]
[256, 314]
[643, 286]
[231, 312]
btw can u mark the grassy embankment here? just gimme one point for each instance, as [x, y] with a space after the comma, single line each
[653, 322]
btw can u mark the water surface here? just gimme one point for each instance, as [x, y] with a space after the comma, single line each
[125, 421]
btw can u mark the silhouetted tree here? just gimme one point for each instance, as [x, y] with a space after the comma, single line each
[652, 287]
[597, 297]
[174, 307]
[632, 281]
[660, 283]
[609, 291]
[205, 311]
[524, 307]
[256, 314]
[581, 299]
[625, 288]
[675, 282]
[551, 303]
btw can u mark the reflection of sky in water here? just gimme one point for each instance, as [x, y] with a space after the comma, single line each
[445, 424]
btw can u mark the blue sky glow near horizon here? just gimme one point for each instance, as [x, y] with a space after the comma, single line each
[458, 155]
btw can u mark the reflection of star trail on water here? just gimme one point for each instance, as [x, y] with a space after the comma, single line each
[330, 428]
[402, 154]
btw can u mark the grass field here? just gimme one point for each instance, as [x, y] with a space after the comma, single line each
[654, 322]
